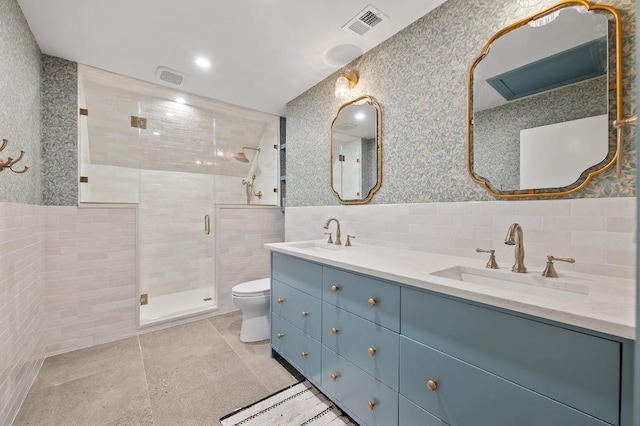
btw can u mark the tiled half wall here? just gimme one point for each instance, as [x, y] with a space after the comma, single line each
[597, 232]
[21, 296]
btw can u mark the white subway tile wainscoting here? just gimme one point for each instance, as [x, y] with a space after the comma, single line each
[597, 232]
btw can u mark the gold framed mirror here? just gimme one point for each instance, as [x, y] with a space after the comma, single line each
[538, 102]
[355, 163]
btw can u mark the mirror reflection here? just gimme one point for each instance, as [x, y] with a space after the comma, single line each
[539, 105]
[355, 151]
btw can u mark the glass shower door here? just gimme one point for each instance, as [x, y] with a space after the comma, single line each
[176, 211]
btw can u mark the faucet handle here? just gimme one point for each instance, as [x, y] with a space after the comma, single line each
[491, 264]
[330, 240]
[550, 270]
[348, 243]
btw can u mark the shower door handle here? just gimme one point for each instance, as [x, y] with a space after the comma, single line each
[207, 224]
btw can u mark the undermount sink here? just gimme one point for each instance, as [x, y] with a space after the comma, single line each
[316, 246]
[531, 283]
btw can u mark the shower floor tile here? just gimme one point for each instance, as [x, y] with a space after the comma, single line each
[188, 374]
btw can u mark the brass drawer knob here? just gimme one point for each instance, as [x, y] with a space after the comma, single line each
[334, 377]
[334, 330]
[372, 302]
[280, 335]
[304, 314]
[371, 351]
[304, 354]
[370, 405]
[279, 300]
[335, 288]
[432, 385]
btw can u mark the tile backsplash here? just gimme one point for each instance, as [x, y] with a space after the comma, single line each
[597, 232]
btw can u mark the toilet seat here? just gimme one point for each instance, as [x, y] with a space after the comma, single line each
[254, 288]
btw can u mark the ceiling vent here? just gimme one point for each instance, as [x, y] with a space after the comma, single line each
[365, 21]
[170, 76]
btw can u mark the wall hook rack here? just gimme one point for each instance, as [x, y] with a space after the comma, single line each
[10, 161]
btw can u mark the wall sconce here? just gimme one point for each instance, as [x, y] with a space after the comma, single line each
[344, 83]
[10, 161]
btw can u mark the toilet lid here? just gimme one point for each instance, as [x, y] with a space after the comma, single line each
[252, 288]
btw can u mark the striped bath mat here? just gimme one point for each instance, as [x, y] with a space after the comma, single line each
[297, 405]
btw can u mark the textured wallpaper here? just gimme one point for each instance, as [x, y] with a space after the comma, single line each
[19, 105]
[59, 132]
[419, 78]
[497, 130]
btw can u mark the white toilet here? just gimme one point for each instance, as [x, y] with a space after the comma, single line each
[252, 298]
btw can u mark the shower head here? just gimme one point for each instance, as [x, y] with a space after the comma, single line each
[241, 156]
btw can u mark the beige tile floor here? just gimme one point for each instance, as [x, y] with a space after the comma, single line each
[190, 374]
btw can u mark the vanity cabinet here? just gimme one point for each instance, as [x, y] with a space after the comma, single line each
[296, 288]
[389, 354]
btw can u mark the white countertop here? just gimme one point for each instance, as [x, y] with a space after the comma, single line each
[609, 306]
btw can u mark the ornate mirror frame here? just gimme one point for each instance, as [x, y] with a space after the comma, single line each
[586, 176]
[376, 187]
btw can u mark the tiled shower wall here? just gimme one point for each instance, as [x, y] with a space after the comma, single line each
[241, 232]
[21, 298]
[597, 232]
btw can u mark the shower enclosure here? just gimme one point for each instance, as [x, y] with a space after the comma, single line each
[175, 162]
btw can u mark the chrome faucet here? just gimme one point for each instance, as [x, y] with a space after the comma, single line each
[514, 238]
[326, 226]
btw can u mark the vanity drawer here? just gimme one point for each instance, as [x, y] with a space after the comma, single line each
[412, 415]
[300, 309]
[574, 368]
[296, 347]
[355, 389]
[372, 299]
[467, 395]
[353, 338]
[304, 276]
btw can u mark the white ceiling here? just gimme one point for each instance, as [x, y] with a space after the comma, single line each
[264, 52]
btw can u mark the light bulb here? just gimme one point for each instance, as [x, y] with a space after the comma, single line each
[342, 87]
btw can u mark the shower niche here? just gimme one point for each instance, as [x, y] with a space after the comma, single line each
[175, 162]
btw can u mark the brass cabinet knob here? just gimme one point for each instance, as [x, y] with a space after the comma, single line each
[304, 354]
[304, 314]
[371, 351]
[432, 385]
[334, 330]
[279, 300]
[370, 405]
[372, 302]
[335, 288]
[334, 377]
[280, 335]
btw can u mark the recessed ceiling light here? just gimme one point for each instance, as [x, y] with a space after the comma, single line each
[180, 100]
[170, 114]
[360, 116]
[203, 62]
[156, 133]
